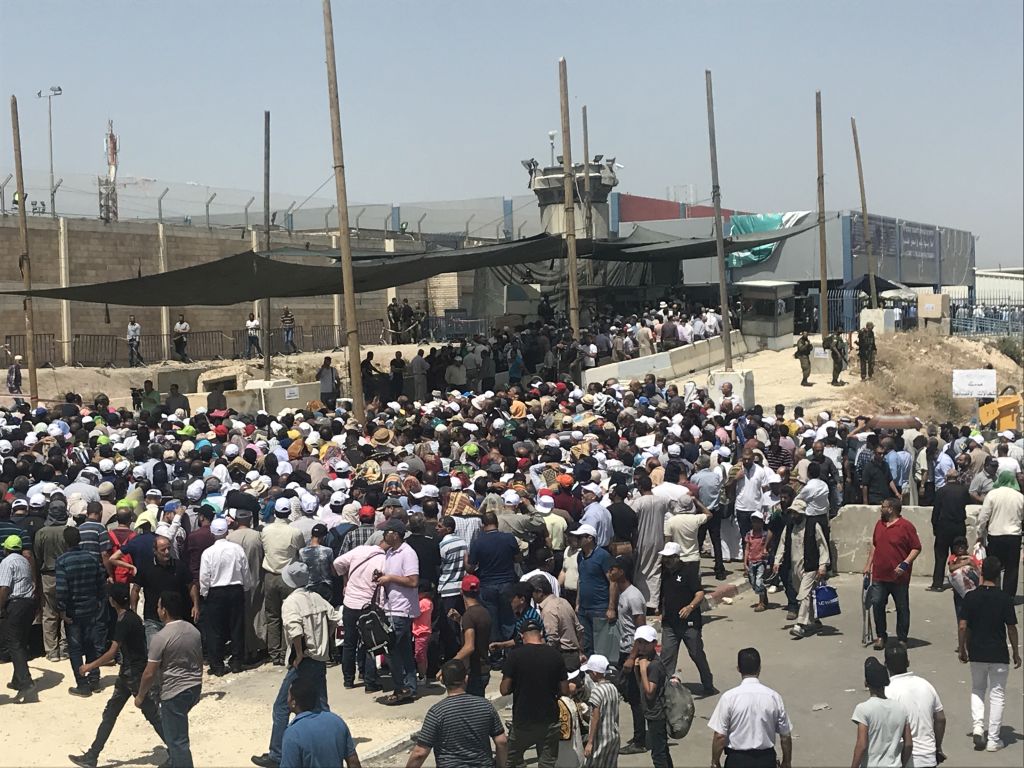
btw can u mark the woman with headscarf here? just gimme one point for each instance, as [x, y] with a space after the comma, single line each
[999, 526]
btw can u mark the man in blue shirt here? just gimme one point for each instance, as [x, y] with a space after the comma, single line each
[594, 599]
[315, 739]
[492, 558]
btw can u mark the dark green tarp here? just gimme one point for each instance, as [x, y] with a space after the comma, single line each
[250, 276]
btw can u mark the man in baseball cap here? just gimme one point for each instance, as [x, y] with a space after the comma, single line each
[17, 581]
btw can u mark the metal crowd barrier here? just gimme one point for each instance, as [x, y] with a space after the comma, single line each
[94, 349]
[45, 347]
[324, 338]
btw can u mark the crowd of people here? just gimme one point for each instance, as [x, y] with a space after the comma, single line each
[542, 535]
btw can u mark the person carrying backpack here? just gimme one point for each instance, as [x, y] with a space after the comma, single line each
[651, 677]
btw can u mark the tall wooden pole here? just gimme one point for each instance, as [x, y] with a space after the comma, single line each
[587, 210]
[344, 243]
[716, 196]
[570, 209]
[822, 256]
[265, 309]
[24, 262]
[864, 217]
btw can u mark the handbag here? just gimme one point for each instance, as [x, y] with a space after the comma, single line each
[826, 602]
[375, 629]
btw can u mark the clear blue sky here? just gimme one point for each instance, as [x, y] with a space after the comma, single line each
[441, 100]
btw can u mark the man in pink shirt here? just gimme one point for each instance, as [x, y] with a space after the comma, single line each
[400, 578]
[358, 566]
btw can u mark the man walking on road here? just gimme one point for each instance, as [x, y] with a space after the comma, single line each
[176, 656]
[18, 607]
[894, 547]
[747, 720]
[999, 526]
[281, 545]
[988, 620]
[224, 579]
[81, 587]
[805, 549]
[924, 709]
[129, 641]
[949, 521]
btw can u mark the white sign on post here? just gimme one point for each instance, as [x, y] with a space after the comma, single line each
[974, 383]
[291, 393]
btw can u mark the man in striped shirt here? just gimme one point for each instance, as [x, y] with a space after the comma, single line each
[81, 586]
[449, 585]
[460, 727]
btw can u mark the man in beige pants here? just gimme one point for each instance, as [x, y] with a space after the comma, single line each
[281, 545]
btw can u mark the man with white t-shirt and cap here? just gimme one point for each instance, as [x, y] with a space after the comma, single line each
[924, 709]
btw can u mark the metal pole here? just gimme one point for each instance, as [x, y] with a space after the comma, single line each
[823, 326]
[246, 209]
[265, 308]
[24, 261]
[327, 218]
[716, 196]
[53, 195]
[466, 233]
[49, 123]
[570, 206]
[344, 242]
[358, 215]
[160, 204]
[288, 216]
[419, 227]
[587, 211]
[3, 185]
[208, 209]
[864, 216]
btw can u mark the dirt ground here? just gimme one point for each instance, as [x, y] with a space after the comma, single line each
[913, 374]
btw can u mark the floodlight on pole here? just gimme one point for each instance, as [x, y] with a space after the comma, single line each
[54, 90]
[551, 140]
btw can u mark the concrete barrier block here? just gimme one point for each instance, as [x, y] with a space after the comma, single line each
[852, 528]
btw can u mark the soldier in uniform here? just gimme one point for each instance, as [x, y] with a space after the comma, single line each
[837, 347]
[804, 349]
[866, 351]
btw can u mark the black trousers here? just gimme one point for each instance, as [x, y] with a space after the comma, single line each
[635, 706]
[450, 630]
[14, 637]
[225, 621]
[1007, 549]
[125, 688]
[714, 529]
[750, 758]
[942, 545]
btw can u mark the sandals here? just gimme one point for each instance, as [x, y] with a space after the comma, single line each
[397, 698]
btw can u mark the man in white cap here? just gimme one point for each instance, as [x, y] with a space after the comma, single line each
[805, 549]
[224, 578]
[602, 747]
[595, 514]
[14, 379]
[281, 545]
[651, 677]
[595, 600]
[255, 623]
[682, 622]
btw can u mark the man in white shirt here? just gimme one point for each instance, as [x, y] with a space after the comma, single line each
[749, 479]
[181, 332]
[224, 578]
[924, 709]
[133, 339]
[748, 718]
[252, 337]
[815, 492]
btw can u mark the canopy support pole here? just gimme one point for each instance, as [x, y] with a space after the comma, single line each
[822, 255]
[716, 196]
[570, 204]
[864, 216]
[344, 242]
[265, 309]
[25, 262]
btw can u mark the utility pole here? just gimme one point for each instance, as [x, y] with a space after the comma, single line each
[716, 196]
[24, 262]
[587, 211]
[823, 326]
[344, 243]
[265, 309]
[570, 205]
[864, 217]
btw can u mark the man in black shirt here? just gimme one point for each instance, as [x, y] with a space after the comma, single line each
[988, 619]
[624, 520]
[876, 480]
[949, 521]
[535, 675]
[156, 574]
[129, 640]
[682, 595]
[651, 677]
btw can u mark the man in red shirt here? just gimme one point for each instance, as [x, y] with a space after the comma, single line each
[894, 547]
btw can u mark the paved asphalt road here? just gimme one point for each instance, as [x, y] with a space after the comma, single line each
[827, 669]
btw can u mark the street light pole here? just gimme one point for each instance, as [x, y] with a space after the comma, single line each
[716, 195]
[55, 90]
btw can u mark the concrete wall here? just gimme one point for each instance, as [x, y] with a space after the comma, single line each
[673, 364]
[851, 533]
[81, 251]
[271, 399]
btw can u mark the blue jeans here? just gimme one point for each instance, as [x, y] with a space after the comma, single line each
[289, 339]
[755, 576]
[152, 626]
[503, 621]
[352, 648]
[401, 660]
[900, 591]
[309, 669]
[81, 634]
[174, 719]
[587, 619]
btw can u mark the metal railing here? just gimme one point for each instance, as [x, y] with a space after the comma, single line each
[275, 340]
[967, 325]
[45, 347]
[95, 349]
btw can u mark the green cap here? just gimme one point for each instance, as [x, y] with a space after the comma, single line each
[12, 543]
